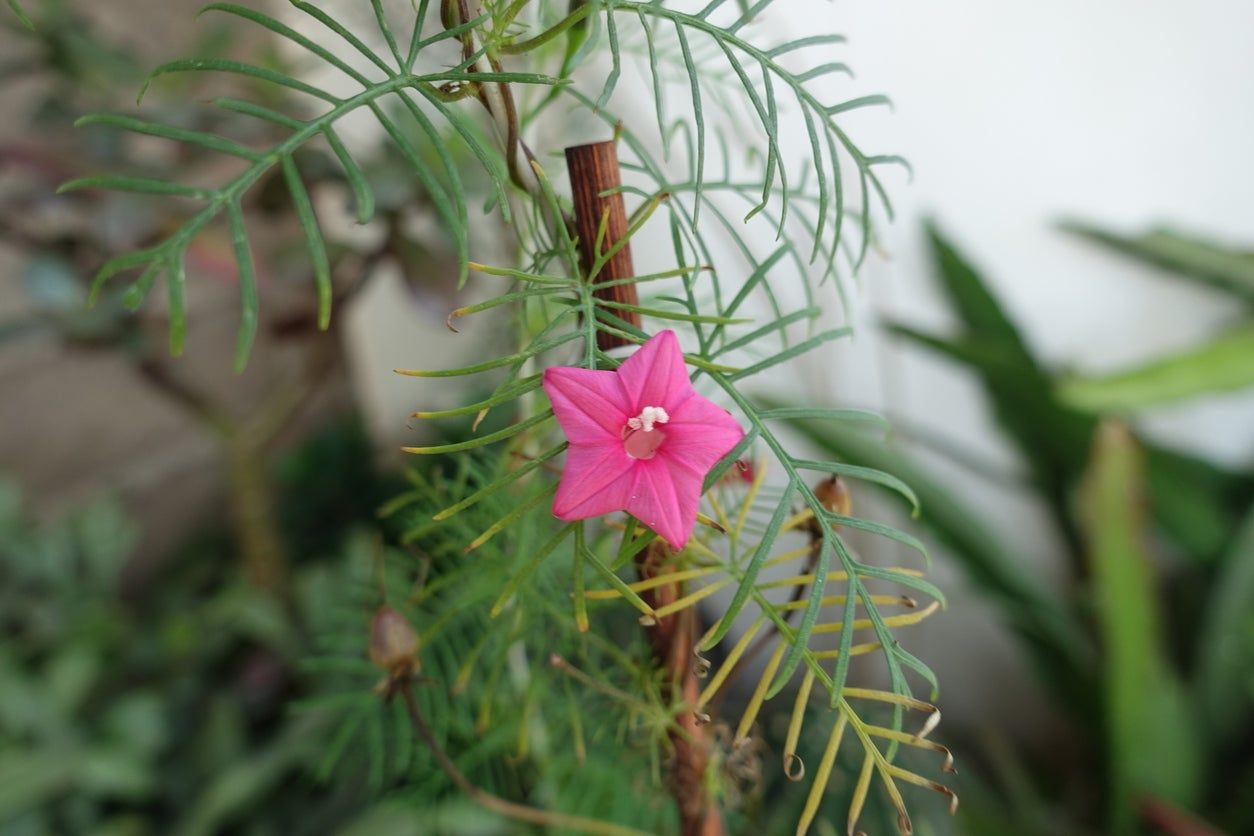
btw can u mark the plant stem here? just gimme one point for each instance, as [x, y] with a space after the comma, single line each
[601, 223]
[257, 531]
[249, 491]
[594, 170]
[673, 639]
[496, 804]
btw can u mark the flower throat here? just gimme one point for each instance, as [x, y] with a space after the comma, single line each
[641, 437]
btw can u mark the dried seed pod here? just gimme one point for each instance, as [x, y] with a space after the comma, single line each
[834, 494]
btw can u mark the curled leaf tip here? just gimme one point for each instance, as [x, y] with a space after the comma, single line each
[712, 523]
[930, 723]
[794, 767]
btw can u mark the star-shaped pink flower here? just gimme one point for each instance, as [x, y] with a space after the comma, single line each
[641, 440]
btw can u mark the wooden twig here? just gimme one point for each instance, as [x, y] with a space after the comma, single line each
[593, 172]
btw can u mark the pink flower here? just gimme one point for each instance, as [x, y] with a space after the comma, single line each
[641, 440]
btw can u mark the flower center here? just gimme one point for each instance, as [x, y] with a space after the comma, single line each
[641, 437]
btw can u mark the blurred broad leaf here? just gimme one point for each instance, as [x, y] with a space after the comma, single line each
[1154, 750]
[116, 773]
[1225, 646]
[248, 782]
[31, 778]
[1220, 267]
[70, 675]
[1050, 436]
[139, 720]
[1223, 365]
[106, 537]
[1095, 479]
[1195, 502]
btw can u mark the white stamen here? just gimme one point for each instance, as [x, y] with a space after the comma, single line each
[649, 416]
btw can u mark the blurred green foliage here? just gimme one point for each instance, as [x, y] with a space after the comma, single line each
[1224, 364]
[136, 702]
[109, 713]
[1149, 649]
[22, 17]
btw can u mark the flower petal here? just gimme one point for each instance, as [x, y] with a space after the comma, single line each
[700, 433]
[597, 480]
[590, 405]
[665, 499]
[655, 375]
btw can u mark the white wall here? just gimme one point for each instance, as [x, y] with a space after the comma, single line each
[1015, 115]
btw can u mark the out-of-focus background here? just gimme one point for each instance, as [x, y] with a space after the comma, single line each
[1057, 323]
[1128, 117]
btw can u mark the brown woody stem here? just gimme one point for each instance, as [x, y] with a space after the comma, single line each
[594, 171]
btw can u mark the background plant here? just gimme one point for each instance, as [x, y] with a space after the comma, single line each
[301, 381]
[1147, 649]
[103, 665]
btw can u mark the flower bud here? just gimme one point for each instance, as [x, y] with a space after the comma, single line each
[393, 642]
[834, 494]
